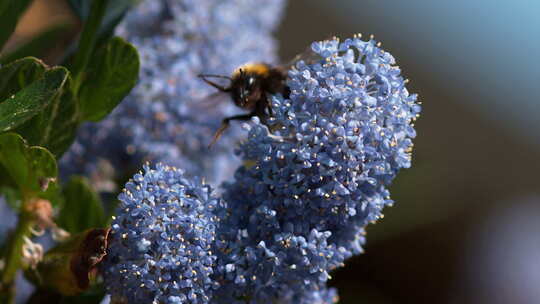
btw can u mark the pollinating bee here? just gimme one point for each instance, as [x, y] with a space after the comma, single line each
[250, 88]
[252, 85]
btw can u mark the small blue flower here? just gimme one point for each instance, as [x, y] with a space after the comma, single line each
[160, 247]
[318, 172]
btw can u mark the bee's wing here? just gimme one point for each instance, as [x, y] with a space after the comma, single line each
[212, 100]
[308, 56]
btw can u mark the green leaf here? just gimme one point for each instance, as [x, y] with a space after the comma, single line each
[10, 12]
[31, 169]
[32, 99]
[47, 113]
[82, 207]
[39, 44]
[54, 127]
[88, 38]
[18, 74]
[113, 15]
[111, 74]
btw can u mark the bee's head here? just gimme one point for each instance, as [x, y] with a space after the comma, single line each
[246, 89]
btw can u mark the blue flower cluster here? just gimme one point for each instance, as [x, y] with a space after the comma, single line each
[169, 116]
[317, 174]
[313, 177]
[161, 240]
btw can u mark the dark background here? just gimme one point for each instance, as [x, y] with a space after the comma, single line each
[463, 229]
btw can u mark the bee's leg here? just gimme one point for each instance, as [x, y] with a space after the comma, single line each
[269, 109]
[286, 92]
[215, 85]
[225, 125]
[264, 109]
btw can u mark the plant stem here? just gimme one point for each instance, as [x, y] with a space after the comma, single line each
[13, 257]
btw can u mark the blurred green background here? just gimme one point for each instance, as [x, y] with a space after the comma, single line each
[476, 68]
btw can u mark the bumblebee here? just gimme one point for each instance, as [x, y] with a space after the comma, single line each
[250, 88]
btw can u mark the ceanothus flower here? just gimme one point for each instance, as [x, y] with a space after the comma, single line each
[160, 245]
[168, 116]
[316, 175]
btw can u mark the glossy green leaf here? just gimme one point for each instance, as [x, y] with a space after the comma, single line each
[111, 74]
[32, 99]
[30, 169]
[19, 74]
[10, 12]
[82, 207]
[56, 125]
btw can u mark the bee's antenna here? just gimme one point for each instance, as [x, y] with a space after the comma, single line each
[215, 85]
[213, 75]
